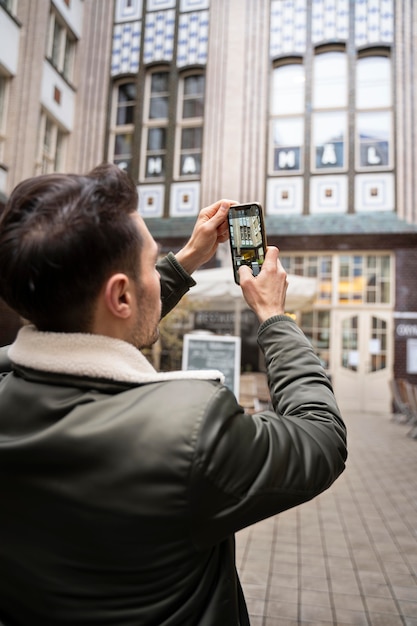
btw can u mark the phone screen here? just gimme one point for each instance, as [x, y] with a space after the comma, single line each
[247, 237]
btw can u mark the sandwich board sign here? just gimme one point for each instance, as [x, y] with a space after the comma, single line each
[214, 352]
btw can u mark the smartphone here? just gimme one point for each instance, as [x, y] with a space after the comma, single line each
[247, 237]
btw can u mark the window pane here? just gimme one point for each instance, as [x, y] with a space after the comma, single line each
[330, 80]
[48, 137]
[373, 83]
[288, 90]
[158, 108]
[287, 143]
[68, 57]
[350, 343]
[329, 139]
[386, 267]
[126, 100]
[316, 326]
[379, 344]
[127, 92]
[122, 162]
[159, 82]
[364, 279]
[193, 108]
[155, 166]
[191, 138]
[190, 164]
[59, 153]
[374, 134]
[157, 139]
[193, 97]
[56, 44]
[125, 115]
[123, 144]
[158, 103]
[194, 85]
[288, 131]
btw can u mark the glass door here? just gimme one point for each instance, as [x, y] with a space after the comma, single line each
[362, 360]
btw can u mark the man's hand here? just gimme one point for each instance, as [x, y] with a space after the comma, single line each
[265, 293]
[210, 229]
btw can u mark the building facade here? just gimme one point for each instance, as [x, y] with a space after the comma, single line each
[307, 106]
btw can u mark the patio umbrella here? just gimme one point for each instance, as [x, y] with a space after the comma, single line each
[218, 288]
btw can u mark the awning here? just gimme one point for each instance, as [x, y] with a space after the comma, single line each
[218, 286]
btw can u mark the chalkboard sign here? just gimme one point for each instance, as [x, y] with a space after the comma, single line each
[214, 352]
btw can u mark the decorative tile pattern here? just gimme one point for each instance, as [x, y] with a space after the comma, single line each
[374, 21]
[374, 192]
[128, 11]
[159, 36]
[126, 48]
[151, 200]
[160, 5]
[285, 196]
[328, 194]
[288, 27]
[193, 38]
[330, 20]
[185, 199]
[193, 5]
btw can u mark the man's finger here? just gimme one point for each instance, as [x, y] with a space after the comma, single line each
[244, 271]
[271, 257]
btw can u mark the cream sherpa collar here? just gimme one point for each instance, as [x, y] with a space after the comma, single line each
[93, 356]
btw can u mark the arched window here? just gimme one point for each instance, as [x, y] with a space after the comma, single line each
[190, 125]
[330, 111]
[123, 115]
[330, 80]
[155, 125]
[373, 112]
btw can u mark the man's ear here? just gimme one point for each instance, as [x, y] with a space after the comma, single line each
[118, 296]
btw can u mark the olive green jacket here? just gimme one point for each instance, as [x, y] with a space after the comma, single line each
[121, 488]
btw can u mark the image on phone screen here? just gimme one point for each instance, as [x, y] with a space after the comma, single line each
[247, 237]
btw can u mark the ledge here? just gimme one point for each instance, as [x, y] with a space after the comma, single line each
[300, 225]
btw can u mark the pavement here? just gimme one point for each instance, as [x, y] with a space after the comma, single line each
[350, 555]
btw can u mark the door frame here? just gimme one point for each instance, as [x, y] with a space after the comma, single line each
[362, 390]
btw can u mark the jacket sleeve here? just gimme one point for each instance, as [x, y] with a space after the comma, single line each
[175, 282]
[249, 467]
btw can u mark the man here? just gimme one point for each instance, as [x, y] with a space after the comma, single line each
[121, 488]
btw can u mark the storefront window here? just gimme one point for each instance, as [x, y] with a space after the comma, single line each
[316, 326]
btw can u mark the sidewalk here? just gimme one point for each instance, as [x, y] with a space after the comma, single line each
[349, 556]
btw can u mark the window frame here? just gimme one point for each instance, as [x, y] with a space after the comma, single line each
[149, 123]
[327, 268]
[184, 123]
[366, 54]
[62, 55]
[51, 159]
[324, 169]
[275, 117]
[316, 111]
[121, 129]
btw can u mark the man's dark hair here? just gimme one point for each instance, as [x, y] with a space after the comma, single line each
[61, 237]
